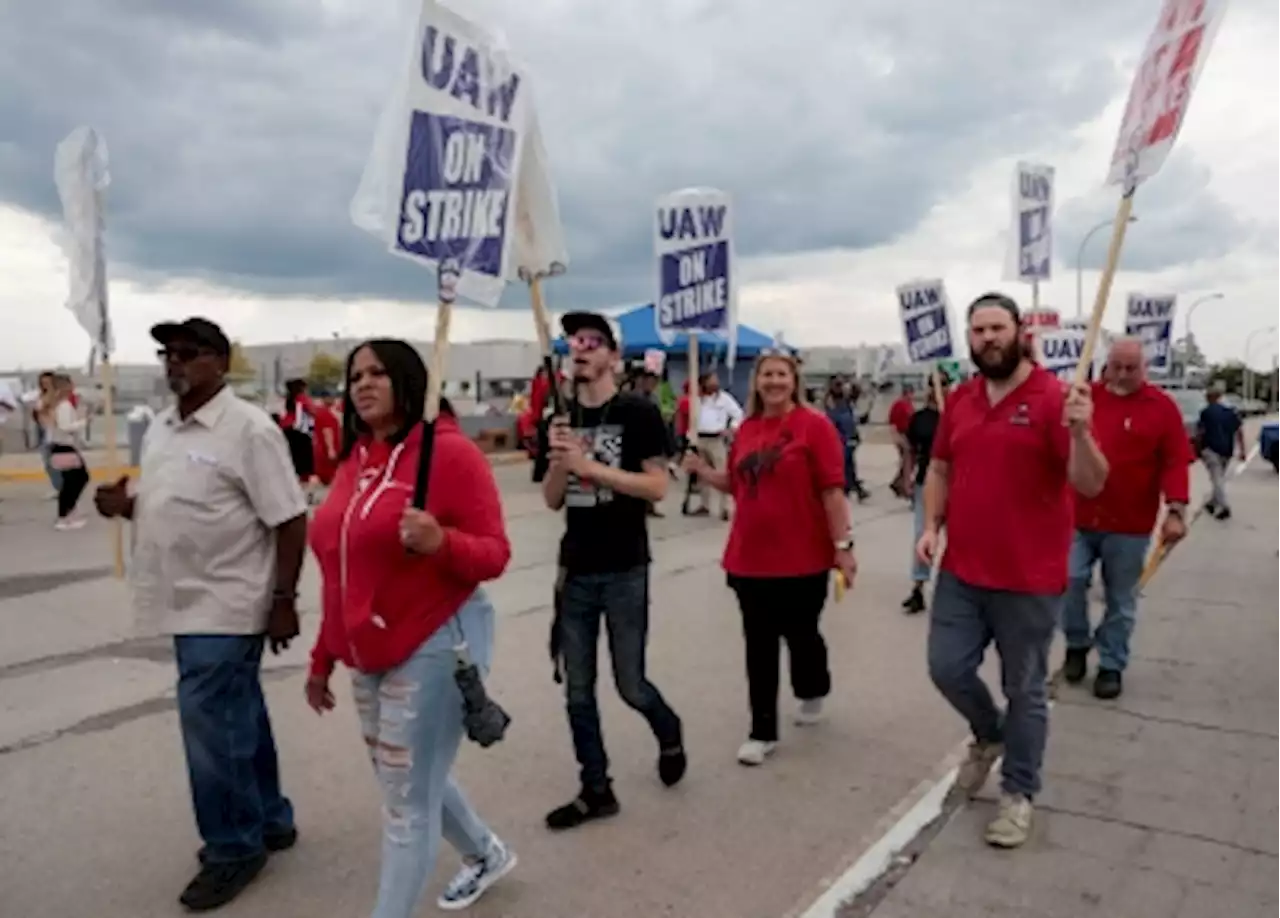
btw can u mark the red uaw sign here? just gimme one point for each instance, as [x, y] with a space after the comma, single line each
[1041, 318]
[1173, 58]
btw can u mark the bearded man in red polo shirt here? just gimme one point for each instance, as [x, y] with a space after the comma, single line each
[1141, 433]
[1007, 455]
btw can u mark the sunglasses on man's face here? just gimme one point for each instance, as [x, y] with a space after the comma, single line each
[181, 353]
[587, 342]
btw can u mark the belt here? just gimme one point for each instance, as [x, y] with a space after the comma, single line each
[711, 436]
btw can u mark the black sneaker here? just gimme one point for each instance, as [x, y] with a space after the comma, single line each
[1075, 665]
[217, 884]
[914, 604]
[588, 805]
[1223, 513]
[1108, 684]
[272, 841]
[672, 762]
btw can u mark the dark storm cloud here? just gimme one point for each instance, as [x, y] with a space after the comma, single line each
[238, 129]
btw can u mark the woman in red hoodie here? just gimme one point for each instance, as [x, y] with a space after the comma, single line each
[791, 528]
[402, 598]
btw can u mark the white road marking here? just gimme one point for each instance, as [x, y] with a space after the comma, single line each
[1249, 457]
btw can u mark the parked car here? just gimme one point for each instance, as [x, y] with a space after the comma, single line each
[1269, 444]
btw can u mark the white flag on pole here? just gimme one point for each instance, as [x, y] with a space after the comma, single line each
[80, 173]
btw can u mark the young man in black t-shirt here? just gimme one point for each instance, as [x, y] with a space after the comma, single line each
[919, 445]
[608, 463]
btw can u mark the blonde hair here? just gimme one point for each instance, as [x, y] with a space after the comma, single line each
[755, 405]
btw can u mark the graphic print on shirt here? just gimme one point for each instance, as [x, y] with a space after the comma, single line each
[760, 463]
[604, 444]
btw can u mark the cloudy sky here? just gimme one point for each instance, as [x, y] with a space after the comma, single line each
[865, 144]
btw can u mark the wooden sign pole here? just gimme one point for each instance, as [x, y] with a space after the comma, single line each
[1118, 228]
[542, 325]
[113, 461]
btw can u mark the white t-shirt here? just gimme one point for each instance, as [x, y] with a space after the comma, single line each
[717, 414]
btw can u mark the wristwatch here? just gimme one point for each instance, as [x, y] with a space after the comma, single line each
[1178, 510]
[845, 544]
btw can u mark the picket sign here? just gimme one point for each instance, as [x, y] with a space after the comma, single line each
[1158, 101]
[80, 172]
[925, 312]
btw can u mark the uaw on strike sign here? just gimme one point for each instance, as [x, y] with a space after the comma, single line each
[926, 320]
[693, 245]
[455, 148]
[1150, 318]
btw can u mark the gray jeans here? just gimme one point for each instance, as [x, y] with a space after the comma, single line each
[964, 621]
[1217, 466]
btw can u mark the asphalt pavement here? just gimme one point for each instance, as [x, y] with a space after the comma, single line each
[95, 819]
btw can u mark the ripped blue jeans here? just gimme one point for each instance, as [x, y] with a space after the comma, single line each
[411, 717]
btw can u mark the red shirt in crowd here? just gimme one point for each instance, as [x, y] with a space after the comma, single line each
[1145, 442]
[900, 413]
[1009, 504]
[328, 431]
[778, 470]
[680, 420]
[380, 602]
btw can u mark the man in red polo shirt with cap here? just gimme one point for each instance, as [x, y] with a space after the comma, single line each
[1008, 453]
[1141, 433]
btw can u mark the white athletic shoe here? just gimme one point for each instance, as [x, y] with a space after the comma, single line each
[809, 712]
[71, 522]
[470, 883]
[754, 752]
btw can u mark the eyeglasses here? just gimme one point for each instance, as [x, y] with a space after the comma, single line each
[587, 342]
[181, 353]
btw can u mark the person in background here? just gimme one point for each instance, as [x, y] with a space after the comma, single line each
[1006, 457]
[419, 573]
[1140, 431]
[647, 387]
[221, 528]
[786, 471]
[900, 414]
[298, 423]
[608, 461]
[841, 409]
[1219, 429]
[719, 414]
[38, 402]
[63, 431]
[918, 443]
[327, 439]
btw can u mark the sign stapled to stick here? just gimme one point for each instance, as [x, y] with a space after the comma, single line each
[1030, 255]
[926, 320]
[1151, 319]
[1157, 105]
[693, 249]
[456, 179]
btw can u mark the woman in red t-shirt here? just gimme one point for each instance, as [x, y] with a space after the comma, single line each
[403, 608]
[791, 527]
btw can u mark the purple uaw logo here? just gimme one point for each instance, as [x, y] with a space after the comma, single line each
[456, 197]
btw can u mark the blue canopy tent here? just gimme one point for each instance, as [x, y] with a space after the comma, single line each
[639, 335]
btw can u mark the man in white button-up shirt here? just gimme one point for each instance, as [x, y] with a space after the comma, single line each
[718, 415]
[221, 526]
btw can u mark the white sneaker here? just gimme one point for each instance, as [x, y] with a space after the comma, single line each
[809, 712]
[1012, 824]
[70, 522]
[470, 883]
[754, 752]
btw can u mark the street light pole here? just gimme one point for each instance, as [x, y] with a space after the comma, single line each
[1248, 372]
[1080, 264]
[1190, 312]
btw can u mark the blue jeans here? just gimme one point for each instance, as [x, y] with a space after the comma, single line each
[622, 600]
[231, 755]
[920, 572]
[46, 451]
[411, 718]
[1122, 558]
[964, 621]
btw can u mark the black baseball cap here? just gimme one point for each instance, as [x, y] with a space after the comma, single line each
[574, 322]
[202, 331]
